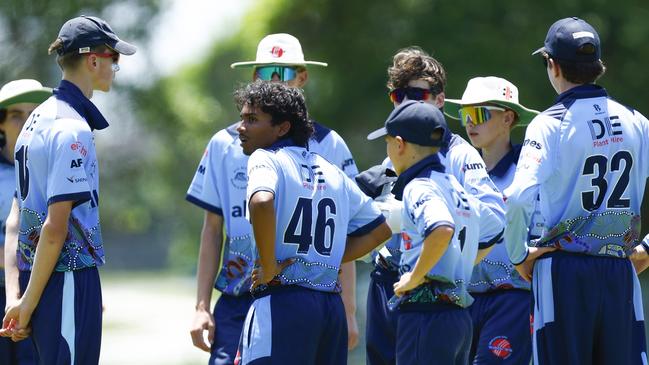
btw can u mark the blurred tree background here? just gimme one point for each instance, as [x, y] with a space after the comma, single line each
[169, 119]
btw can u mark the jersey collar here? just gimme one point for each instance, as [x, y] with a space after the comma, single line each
[71, 94]
[511, 158]
[281, 143]
[581, 92]
[422, 168]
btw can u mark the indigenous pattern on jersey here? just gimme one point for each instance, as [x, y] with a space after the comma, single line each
[597, 210]
[7, 190]
[464, 162]
[219, 186]
[433, 199]
[56, 161]
[317, 207]
[496, 271]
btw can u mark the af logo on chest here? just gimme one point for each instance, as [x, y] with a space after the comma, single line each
[75, 163]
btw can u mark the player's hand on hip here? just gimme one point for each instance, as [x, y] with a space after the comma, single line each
[639, 258]
[260, 277]
[406, 283]
[352, 332]
[203, 321]
[526, 268]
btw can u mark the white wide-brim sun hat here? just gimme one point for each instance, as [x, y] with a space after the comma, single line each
[490, 90]
[23, 91]
[279, 49]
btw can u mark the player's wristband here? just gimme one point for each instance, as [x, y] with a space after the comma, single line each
[645, 245]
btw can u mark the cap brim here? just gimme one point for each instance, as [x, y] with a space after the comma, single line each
[542, 49]
[34, 96]
[255, 63]
[377, 134]
[124, 48]
[525, 115]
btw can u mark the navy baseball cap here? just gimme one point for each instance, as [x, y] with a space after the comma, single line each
[415, 121]
[565, 38]
[80, 33]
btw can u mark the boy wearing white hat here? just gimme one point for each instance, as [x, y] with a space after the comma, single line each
[489, 110]
[219, 187]
[17, 101]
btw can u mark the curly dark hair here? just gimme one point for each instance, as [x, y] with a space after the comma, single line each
[283, 103]
[413, 63]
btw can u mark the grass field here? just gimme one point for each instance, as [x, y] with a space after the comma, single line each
[147, 319]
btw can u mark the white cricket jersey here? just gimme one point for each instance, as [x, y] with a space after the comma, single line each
[56, 161]
[463, 161]
[586, 157]
[219, 186]
[432, 199]
[317, 207]
[495, 271]
[7, 190]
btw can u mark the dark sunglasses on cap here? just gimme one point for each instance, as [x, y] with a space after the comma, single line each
[285, 73]
[413, 93]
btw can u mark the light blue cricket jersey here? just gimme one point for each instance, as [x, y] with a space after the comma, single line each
[587, 158]
[219, 186]
[56, 161]
[7, 190]
[495, 271]
[463, 161]
[317, 207]
[432, 199]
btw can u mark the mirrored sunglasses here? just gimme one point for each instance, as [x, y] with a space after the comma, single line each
[477, 114]
[285, 73]
[413, 93]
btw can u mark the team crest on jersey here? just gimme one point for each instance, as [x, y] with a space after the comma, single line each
[239, 178]
[501, 347]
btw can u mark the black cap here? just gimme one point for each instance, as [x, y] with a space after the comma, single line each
[415, 121]
[566, 36]
[80, 33]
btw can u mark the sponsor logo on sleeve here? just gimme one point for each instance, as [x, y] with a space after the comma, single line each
[79, 147]
[532, 143]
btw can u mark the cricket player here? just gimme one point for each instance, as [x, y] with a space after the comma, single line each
[307, 217]
[18, 99]
[585, 156]
[442, 226]
[489, 110]
[415, 75]
[219, 187]
[54, 221]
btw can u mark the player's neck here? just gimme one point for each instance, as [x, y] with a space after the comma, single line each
[495, 152]
[83, 82]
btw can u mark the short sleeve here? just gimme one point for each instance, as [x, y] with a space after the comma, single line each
[203, 190]
[263, 174]
[67, 179]
[426, 206]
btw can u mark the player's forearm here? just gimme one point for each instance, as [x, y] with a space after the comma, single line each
[12, 287]
[520, 206]
[348, 283]
[208, 263]
[360, 246]
[47, 254]
[433, 248]
[262, 218]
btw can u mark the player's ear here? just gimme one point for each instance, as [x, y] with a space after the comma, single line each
[401, 144]
[284, 128]
[439, 99]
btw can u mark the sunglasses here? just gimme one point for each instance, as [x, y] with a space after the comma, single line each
[477, 114]
[285, 73]
[113, 56]
[413, 93]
